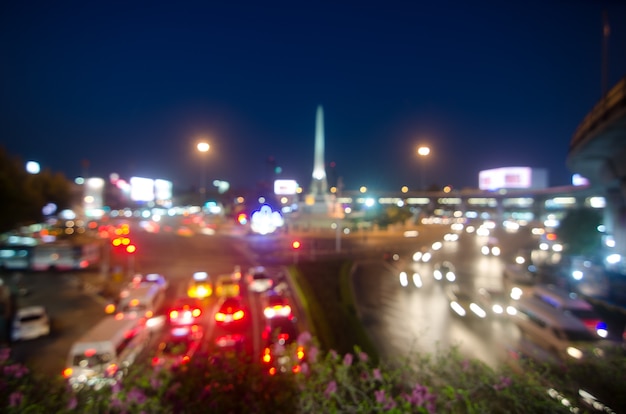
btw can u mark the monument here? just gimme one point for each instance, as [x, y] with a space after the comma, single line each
[317, 201]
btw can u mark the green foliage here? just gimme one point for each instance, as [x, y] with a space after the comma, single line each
[23, 195]
[578, 231]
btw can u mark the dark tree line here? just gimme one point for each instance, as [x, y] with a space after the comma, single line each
[23, 195]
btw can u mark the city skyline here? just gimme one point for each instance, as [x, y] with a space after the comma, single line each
[131, 89]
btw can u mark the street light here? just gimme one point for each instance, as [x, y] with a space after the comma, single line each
[203, 147]
[423, 151]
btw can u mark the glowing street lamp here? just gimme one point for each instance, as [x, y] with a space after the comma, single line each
[203, 147]
[422, 151]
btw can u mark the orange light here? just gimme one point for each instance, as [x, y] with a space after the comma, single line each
[551, 236]
[196, 312]
[300, 353]
[67, 372]
[296, 244]
[267, 357]
[295, 369]
[131, 248]
[110, 308]
[111, 369]
[273, 371]
[220, 317]
[173, 314]
[185, 359]
[116, 242]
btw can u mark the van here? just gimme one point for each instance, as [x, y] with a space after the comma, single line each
[103, 354]
[143, 301]
[558, 332]
[570, 302]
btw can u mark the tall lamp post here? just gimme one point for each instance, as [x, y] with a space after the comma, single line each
[422, 151]
[203, 147]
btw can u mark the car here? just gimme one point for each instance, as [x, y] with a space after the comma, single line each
[444, 271]
[259, 280]
[423, 255]
[463, 303]
[570, 302]
[179, 346]
[231, 311]
[282, 353]
[491, 248]
[226, 285]
[185, 311]
[495, 302]
[149, 280]
[30, 322]
[200, 286]
[276, 306]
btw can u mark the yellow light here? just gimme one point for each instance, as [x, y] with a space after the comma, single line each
[333, 189]
[423, 151]
[404, 189]
[203, 146]
[363, 189]
[447, 189]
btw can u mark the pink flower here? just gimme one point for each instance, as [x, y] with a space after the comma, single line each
[363, 356]
[304, 368]
[504, 382]
[304, 338]
[380, 396]
[333, 354]
[72, 403]
[347, 359]
[312, 354]
[5, 353]
[330, 389]
[376, 374]
[15, 399]
[136, 395]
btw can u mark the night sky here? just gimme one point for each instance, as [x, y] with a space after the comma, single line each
[131, 86]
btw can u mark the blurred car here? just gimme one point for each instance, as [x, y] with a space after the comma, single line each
[276, 306]
[463, 303]
[259, 280]
[185, 311]
[444, 271]
[200, 286]
[423, 255]
[179, 347]
[230, 311]
[149, 279]
[230, 342]
[491, 248]
[30, 322]
[495, 302]
[282, 353]
[570, 302]
[226, 286]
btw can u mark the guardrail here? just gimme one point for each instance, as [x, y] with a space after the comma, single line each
[614, 99]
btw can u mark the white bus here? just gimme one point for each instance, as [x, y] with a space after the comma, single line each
[64, 256]
[102, 356]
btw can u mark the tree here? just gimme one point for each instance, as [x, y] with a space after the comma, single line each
[579, 234]
[24, 195]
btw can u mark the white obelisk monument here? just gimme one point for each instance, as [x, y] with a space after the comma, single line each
[319, 185]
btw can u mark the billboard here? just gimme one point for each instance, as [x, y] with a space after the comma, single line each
[512, 178]
[163, 189]
[141, 189]
[285, 187]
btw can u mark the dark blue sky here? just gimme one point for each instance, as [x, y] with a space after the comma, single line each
[130, 86]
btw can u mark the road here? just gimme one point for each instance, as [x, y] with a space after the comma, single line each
[405, 319]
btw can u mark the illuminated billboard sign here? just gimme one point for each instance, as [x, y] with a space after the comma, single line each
[285, 187]
[163, 189]
[141, 189]
[512, 178]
